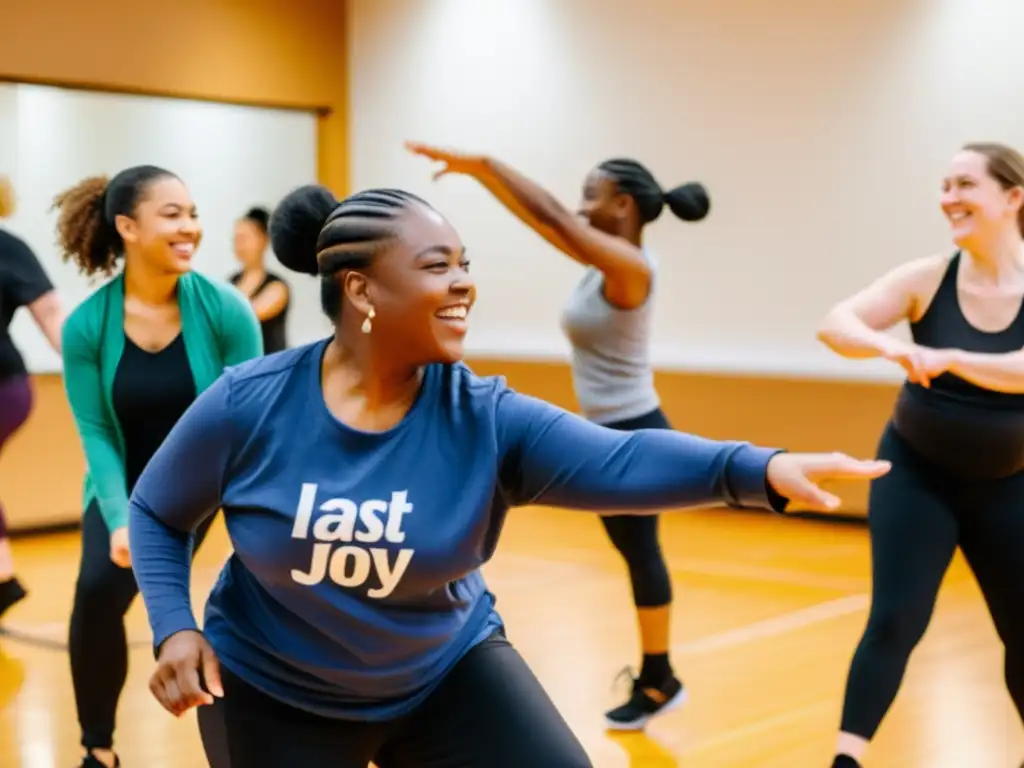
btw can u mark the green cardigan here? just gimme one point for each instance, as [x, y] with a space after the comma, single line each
[219, 329]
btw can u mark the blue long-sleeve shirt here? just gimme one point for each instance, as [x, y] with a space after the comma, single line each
[354, 584]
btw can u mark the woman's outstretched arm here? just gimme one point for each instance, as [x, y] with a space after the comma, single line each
[556, 458]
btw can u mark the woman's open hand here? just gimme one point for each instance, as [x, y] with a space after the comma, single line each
[454, 162]
[922, 364]
[796, 476]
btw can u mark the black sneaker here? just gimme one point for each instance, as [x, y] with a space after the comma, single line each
[11, 593]
[645, 703]
[91, 761]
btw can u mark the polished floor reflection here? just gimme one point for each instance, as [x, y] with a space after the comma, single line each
[768, 612]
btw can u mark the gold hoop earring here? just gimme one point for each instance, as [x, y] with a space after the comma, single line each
[367, 324]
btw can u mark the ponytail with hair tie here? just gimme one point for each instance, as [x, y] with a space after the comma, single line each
[689, 202]
[87, 212]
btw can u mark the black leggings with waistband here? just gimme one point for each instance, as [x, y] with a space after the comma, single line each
[636, 536]
[919, 513]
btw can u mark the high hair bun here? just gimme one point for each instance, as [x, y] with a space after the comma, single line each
[689, 202]
[295, 226]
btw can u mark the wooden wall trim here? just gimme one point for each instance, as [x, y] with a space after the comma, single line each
[183, 95]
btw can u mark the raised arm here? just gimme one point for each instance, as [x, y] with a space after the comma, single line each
[627, 273]
[556, 458]
[856, 327]
[96, 429]
[180, 487]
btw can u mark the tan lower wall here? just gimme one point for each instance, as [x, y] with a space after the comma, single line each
[41, 468]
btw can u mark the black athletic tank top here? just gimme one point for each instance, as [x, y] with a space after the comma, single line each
[964, 429]
[273, 328]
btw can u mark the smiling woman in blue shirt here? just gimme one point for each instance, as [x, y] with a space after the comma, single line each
[365, 479]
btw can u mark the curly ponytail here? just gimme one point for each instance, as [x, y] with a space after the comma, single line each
[86, 233]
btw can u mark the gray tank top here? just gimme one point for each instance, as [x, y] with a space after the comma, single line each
[611, 369]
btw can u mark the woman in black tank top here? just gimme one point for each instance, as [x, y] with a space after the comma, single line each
[956, 436]
[267, 292]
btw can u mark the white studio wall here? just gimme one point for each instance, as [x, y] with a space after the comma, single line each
[231, 157]
[821, 129]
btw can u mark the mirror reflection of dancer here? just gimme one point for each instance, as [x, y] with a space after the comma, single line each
[956, 437]
[267, 291]
[352, 623]
[23, 283]
[607, 321]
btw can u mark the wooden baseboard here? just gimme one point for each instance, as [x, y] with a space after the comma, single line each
[41, 468]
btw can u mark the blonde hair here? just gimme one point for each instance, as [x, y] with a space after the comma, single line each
[7, 199]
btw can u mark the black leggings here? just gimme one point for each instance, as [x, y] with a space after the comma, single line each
[15, 407]
[489, 712]
[636, 536]
[98, 644]
[918, 515]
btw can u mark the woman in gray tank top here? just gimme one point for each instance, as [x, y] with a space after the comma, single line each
[607, 321]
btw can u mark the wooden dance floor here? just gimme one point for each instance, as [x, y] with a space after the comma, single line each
[767, 614]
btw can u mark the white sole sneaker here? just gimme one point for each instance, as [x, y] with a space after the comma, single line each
[638, 724]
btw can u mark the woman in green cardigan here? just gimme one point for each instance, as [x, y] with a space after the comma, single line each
[136, 354]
